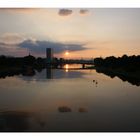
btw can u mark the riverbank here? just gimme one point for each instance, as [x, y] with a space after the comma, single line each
[132, 77]
[16, 70]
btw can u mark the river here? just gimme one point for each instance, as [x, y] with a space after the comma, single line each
[68, 99]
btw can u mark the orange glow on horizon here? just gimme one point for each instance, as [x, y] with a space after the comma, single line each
[67, 53]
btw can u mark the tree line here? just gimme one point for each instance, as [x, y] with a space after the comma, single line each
[128, 63]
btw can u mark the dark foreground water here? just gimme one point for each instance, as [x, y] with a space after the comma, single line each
[68, 100]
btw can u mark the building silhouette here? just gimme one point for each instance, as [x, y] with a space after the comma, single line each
[49, 55]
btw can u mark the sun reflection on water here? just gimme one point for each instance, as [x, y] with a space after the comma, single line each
[66, 68]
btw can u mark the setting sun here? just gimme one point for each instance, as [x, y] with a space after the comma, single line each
[67, 53]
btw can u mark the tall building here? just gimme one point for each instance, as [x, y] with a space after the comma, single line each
[49, 55]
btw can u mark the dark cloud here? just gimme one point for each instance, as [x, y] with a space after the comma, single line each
[83, 11]
[40, 46]
[65, 12]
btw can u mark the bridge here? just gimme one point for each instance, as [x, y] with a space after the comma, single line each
[82, 62]
[50, 61]
[71, 61]
[74, 61]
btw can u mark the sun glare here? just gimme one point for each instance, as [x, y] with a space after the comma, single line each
[67, 53]
[66, 67]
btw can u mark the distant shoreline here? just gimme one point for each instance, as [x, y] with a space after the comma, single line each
[132, 77]
[118, 72]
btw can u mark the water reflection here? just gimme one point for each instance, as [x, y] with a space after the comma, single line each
[131, 80]
[49, 73]
[56, 100]
[66, 67]
[82, 110]
[64, 109]
[62, 71]
[14, 121]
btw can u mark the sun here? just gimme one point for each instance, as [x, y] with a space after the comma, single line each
[67, 53]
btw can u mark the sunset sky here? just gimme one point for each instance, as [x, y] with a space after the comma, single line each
[85, 33]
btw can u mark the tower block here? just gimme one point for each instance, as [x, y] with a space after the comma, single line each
[49, 55]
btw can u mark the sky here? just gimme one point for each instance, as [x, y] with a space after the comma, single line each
[84, 33]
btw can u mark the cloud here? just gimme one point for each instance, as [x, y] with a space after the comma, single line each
[40, 46]
[65, 12]
[14, 42]
[11, 38]
[83, 11]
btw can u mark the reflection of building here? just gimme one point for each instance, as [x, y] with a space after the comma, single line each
[49, 55]
[49, 73]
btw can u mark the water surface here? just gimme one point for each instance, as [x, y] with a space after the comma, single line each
[68, 100]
